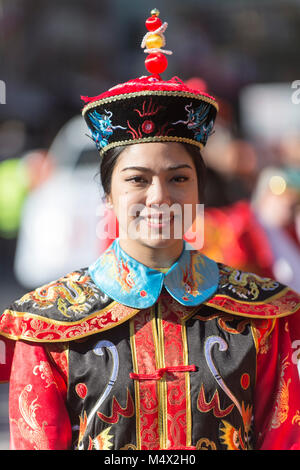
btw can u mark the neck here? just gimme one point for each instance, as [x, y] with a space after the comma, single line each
[153, 257]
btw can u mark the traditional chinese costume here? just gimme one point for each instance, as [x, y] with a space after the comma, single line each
[122, 356]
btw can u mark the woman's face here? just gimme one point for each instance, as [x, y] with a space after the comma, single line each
[154, 194]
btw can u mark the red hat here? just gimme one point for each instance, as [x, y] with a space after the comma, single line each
[148, 108]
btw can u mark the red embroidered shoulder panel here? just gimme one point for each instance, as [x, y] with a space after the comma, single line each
[74, 307]
[247, 294]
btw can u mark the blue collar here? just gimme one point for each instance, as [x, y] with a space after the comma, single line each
[191, 280]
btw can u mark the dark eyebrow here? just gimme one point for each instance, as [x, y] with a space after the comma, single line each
[139, 168]
[142, 168]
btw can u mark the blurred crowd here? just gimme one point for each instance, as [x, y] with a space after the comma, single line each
[258, 227]
[53, 52]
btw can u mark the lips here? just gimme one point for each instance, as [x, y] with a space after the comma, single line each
[160, 217]
[159, 220]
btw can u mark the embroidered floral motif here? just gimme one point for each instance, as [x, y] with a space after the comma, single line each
[230, 434]
[82, 427]
[235, 439]
[283, 303]
[129, 447]
[28, 425]
[231, 437]
[149, 108]
[148, 126]
[205, 444]
[81, 390]
[58, 352]
[44, 369]
[247, 416]
[103, 440]
[26, 326]
[245, 381]
[213, 404]
[296, 418]
[191, 276]
[224, 322]
[117, 410]
[282, 400]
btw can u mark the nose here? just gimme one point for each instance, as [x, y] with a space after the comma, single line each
[158, 193]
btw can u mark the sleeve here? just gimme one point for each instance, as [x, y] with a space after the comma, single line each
[277, 394]
[38, 415]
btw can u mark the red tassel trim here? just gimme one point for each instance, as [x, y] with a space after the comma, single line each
[151, 83]
[159, 373]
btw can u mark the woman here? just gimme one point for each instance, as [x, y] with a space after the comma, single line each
[154, 346]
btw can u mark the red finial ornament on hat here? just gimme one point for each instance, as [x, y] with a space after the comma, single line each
[153, 41]
[148, 108]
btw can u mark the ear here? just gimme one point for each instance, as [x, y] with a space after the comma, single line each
[108, 202]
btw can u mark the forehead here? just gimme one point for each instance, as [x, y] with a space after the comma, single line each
[158, 156]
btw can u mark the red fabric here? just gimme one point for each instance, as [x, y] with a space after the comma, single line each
[284, 303]
[25, 326]
[233, 236]
[107, 231]
[7, 347]
[277, 400]
[38, 416]
[159, 373]
[150, 83]
[39, 419]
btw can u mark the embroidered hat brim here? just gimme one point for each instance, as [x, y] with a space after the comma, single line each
[149, 109]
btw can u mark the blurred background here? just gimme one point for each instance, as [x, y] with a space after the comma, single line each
[245, 53]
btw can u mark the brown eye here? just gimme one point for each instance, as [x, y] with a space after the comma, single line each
[136, 179]
[180, 179]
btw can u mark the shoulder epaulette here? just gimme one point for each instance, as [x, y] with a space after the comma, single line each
[247, 294]
[73, 307]
[70, 308]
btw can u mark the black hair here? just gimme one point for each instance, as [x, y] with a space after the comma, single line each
[110, 158]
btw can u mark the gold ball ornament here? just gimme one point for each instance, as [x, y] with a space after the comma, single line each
[154, 41]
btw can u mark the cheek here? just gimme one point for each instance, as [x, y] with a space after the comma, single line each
[189, 195]
[118, 193]
[191, 204]
[126, 204]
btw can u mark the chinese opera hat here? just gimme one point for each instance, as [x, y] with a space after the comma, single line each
[148, 108]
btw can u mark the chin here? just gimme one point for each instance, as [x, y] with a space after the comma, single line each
[163, 237]
[160, 242]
